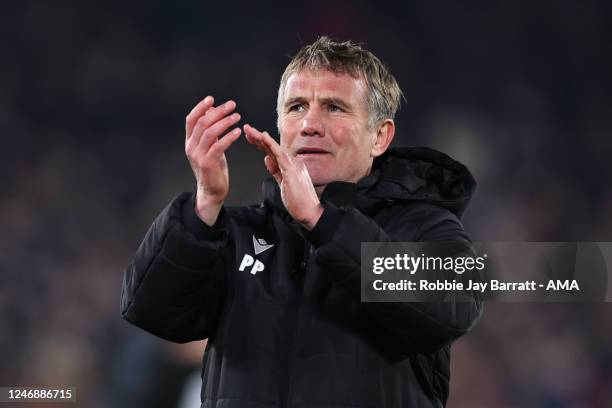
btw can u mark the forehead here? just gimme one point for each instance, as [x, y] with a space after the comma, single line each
[323, 83]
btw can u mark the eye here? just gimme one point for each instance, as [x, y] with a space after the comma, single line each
[298, 107]
[334, 108]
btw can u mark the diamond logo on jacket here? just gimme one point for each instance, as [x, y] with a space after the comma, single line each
[260, 245]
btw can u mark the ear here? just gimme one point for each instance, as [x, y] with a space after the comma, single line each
[384, 137]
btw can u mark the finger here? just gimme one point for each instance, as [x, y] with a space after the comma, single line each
[282, 157]
[210, 135]
[269, 145]
[273, 169]
[221, 145]
[199, 110]
[271, 160]
[251, 137]
[271, 164]
[211, 117]
[254, 137]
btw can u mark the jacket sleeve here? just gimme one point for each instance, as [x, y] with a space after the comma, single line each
[174, 286]
[397, 328]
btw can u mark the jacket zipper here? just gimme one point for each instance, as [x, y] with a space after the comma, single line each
[287, 388]
[296, 326]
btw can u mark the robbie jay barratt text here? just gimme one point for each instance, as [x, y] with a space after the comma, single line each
[494, 285]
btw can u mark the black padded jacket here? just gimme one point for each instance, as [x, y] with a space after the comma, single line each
[281, 306]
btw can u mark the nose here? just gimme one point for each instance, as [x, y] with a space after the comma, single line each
[312, 125]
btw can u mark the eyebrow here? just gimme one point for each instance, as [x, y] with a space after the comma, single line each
[324, 101]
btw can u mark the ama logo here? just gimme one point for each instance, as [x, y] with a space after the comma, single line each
[255, 265]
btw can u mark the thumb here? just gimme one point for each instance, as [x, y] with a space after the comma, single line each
[273, 169]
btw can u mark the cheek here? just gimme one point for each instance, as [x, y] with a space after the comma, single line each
[343, 134]
[352, 141]
[287, 133]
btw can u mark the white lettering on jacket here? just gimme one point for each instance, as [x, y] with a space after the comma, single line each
[247, 261]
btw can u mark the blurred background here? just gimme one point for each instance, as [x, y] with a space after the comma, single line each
[93, 97]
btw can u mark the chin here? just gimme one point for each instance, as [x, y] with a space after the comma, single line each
[320, 181]
[319, 176]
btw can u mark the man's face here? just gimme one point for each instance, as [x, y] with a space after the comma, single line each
[323, 120]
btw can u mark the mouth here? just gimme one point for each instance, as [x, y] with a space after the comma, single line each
[311, 151]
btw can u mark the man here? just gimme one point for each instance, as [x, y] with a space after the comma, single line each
[276, 287]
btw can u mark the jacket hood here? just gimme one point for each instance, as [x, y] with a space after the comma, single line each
[400, 174]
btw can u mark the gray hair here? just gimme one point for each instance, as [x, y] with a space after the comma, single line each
[383, 93]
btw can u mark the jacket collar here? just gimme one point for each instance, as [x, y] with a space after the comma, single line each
[338, 193]
[400, 174]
